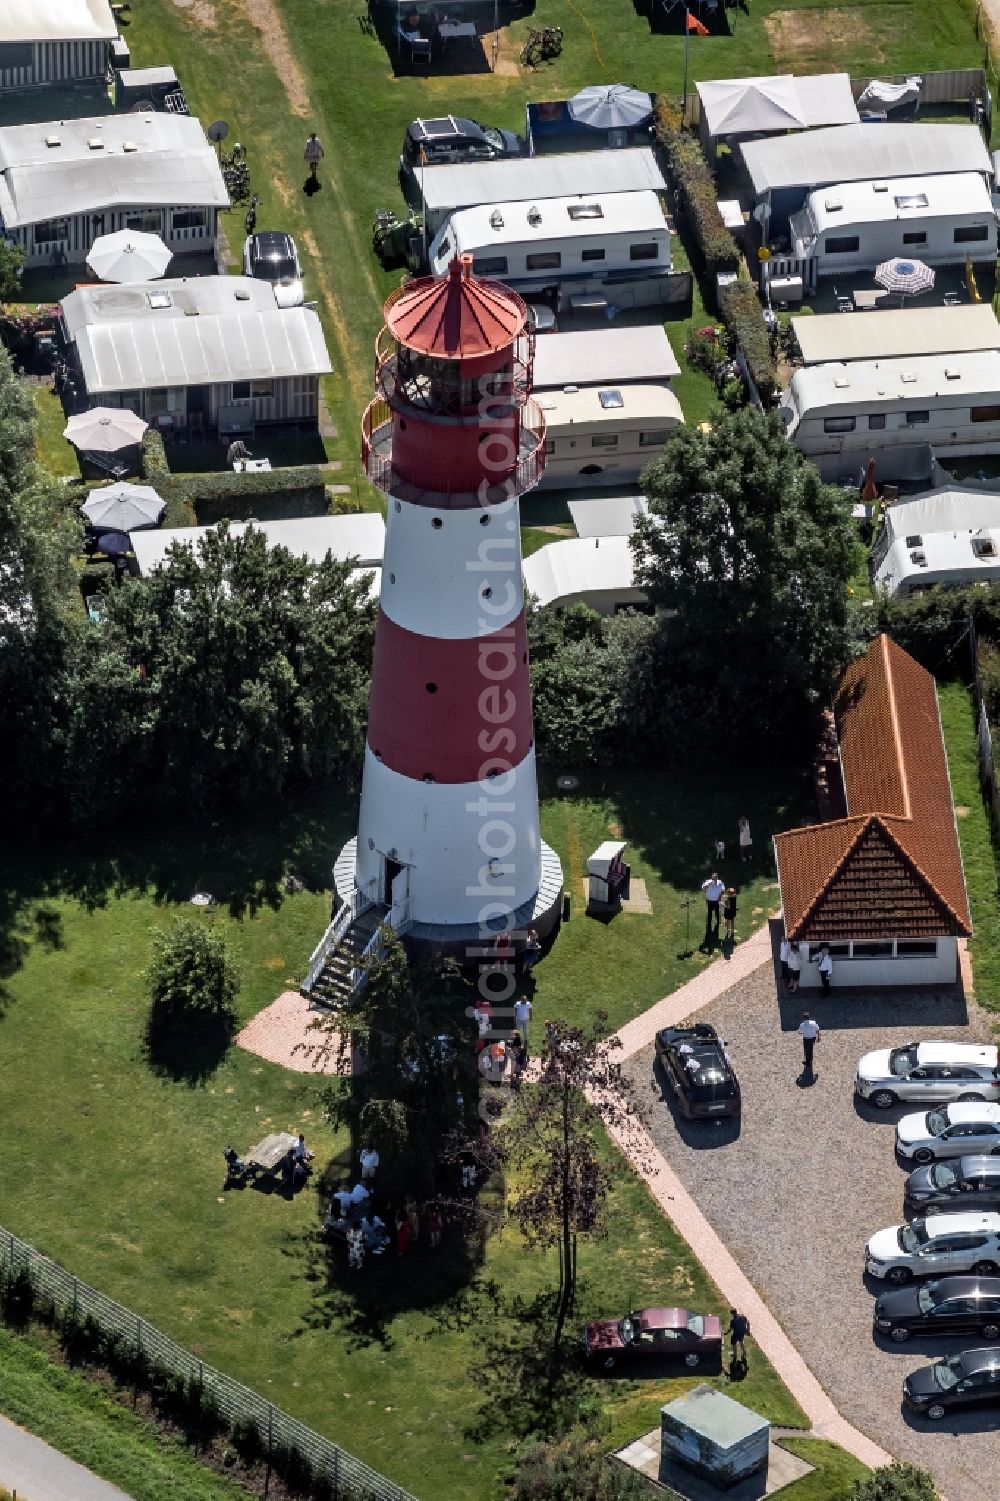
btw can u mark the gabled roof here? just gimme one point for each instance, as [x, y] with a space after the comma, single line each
[736, 106]
[892, 868]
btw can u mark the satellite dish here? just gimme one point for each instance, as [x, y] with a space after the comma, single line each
[217, 131]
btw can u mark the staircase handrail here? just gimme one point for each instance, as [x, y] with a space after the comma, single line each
[348, 913]
[375, 944]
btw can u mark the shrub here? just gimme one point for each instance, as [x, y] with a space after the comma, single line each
[744, 318]
[695, 193]
[192, 979]
[19, 327]
[706, 349]
[17, 1298]
[895, 1482]
[989, 678]
[155, 464]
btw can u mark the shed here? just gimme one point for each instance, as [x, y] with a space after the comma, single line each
[715, 1436]
[894, 333]
[549, 127]
[770, 106]
[311, 537]
[54, 41]
[604, 356]
[457, 185]
[597, 571]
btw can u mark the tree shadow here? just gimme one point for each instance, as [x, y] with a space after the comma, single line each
[187, 1055]
[531, 1390]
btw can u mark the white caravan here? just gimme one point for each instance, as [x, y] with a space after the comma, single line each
[600, 435]
[947, 537]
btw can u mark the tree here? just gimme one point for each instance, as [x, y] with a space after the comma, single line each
[192, 980]
[895, 1482]
[576, 1469]
[11, 265]
[552, 1137]
[747, 554]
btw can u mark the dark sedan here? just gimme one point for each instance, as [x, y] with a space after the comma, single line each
[950, 1305]
[966, 1380]
[958, 1183]
[672, 1333]
[698, 1071]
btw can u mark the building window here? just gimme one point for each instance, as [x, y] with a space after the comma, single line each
[262, 388]
[966, 234]
[654, 439]
[917, 419]
[241, 390]
[646, 250]
[490, 265]
[148, 220]
[836, 950]
[550, 445]
[842, 244]
[882, 949]
[876, 421]
[543, 260]
[592, 254]
[914, 237]
[51, 231]
[604, 440]
[984, 414]
[839, 424]
[910, 948]
[16, 55]
[188, 218]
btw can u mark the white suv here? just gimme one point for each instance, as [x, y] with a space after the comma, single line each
[929, 1071]
[956, 1130]
[935, 1247]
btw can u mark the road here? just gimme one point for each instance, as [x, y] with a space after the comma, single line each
[37, 1472]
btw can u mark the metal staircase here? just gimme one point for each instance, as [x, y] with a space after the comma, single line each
[332, 976]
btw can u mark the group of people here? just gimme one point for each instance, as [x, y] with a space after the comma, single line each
[720, 899]
[366, 1231]
[790, 964]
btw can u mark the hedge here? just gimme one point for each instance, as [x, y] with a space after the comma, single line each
[695, 192]
[204, 499]
[744, 318]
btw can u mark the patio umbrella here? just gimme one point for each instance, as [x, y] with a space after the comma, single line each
[908, 278]
[124, 508]
[114, 544]
[613, 106]
[104, 429]
[128, 255]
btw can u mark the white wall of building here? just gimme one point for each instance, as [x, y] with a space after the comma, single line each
[857, 973]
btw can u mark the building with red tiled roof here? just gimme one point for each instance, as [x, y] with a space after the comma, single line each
[884, 887]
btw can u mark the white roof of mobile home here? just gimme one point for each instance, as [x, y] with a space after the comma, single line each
[964, 549]
[607, 515]
[891, 199]
[556, 219]
[80, 166]
[585, 404]
[312, 537]
[564, 572]
[56, 21]
[893, 332]
[201, 330]
[863, 153]
[458, 185]
[602, 356]
[820, 386]
[736, 106]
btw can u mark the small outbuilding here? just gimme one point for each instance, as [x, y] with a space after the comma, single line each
[594, 571]
[54, 42]
[360, 537]
[883, 887]
[714, 1436]
[897, 333]
[731, 109]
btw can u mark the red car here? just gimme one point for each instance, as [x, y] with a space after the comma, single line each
[662, 1332]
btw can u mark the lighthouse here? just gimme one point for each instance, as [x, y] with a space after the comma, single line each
[448, 836]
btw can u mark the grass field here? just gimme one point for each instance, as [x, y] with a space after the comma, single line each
[978, 855]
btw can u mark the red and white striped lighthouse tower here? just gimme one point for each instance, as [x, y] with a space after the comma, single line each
[448, 835]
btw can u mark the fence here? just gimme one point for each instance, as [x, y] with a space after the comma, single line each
[348, 1478]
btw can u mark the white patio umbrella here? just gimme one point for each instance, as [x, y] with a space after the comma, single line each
[614, 106]
[123, 508]
[128, 255]
[105, 429]
[906, 277]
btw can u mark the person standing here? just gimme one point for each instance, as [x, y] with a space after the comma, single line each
[314, 154]
[729, 913]
[784, 949]
[825, 963]
[432, 1223]
[794, 962]
[714, 890]
[369, 1162]
[746, 841]
[739, 1328]
[532, 951]
[503, 949]
[522, 1019]
[808, 1031]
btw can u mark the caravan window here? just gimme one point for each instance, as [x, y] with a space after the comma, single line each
[839, 424]
[966, 233]
[654, 439]
[911, 200]
[842, 244]
[148, 220]
[490, 265]
[188, 218]
[646, 250]
[592, 255]
[604, 440]
[16, 55]
[876, 421]
[51, 231]
[543, 260]
[915, 237]
[914, 419]
[984, 414]
[550, 445]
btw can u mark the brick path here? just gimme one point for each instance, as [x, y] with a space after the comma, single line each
[281, 1034]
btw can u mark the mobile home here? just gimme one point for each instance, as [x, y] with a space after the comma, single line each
[893, 333]
[604, 357]
[949, 402]
[54, 42]
[853, 226]
[605, 435]
[586, 251]
[946, 537]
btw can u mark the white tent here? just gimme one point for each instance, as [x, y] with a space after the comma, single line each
[744, 106]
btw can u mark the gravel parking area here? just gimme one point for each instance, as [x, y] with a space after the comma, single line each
[796, 1187]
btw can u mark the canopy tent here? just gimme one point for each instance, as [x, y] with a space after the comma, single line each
[745, 106]
[484, 14]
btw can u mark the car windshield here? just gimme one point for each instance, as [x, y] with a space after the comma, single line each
[937, 1121]
[943, 1175]
[277, 268]
[902, 1060]
[493, 136]
[696, 1325]
[948, 1373]
[928, 1297]
[911, 1237]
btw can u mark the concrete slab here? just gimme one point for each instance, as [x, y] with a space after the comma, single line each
[783, 1467]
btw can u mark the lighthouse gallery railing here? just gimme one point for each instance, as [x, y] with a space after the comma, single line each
[376, 452]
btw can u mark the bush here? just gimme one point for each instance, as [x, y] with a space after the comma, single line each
[19, 327]
[744, 318]
[895, 1482]
[695, 193]
[192, 979]
[933, 627]
[155, 464]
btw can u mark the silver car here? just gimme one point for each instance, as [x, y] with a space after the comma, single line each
[929, 1071]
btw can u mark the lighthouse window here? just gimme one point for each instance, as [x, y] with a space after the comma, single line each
[484, 520]
[437, 523]
[487, 592]
[431, 687]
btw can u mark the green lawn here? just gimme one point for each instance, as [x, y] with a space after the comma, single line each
[52, 449]
[835, 1473]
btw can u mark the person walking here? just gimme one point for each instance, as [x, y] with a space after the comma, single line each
[739, 1328]
[729, 914]
[314, 154]
[532, 951]
[794, 962]
[522, 1019]
[746, 841]
[784, 948]
[808, 1031]
[714, 890]
[825, 963]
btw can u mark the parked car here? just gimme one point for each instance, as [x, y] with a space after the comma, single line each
[971, 1378]
[453, 138]
[959, 1183]
[271, 255]
[934, 1246]
[698, 1070]
[928, 1071]
[950, 1131]
[664, 1332]
[951, 1305]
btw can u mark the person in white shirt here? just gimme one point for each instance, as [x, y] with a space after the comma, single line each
[808, 1031]
[794, 962]
[359, 1194]
[522, 1017]
[825, 963]
[783, 951]
[746, 841]
[714, 890]
[369, 1162]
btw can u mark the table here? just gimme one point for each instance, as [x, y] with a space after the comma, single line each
[251, 466]
[268, 1155]
[451, 31]
[866, 301]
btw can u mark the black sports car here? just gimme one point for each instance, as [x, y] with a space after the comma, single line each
[959, 1381]
[949, 1305]
[954, 1183]
[697, 1068]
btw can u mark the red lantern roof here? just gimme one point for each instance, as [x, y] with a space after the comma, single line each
[456, 317]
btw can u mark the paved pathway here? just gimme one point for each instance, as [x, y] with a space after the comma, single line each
[283, 1033]
[639, 1149]
[37, 1472]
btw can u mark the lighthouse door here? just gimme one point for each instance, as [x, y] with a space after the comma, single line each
[390, 870]
[399, 899]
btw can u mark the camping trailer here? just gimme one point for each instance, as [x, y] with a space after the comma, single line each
[853, 226]
[947, 537]
[949, 402]
[598, 435]
[588, 251]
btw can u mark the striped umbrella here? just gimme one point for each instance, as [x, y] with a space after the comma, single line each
[908, 278]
